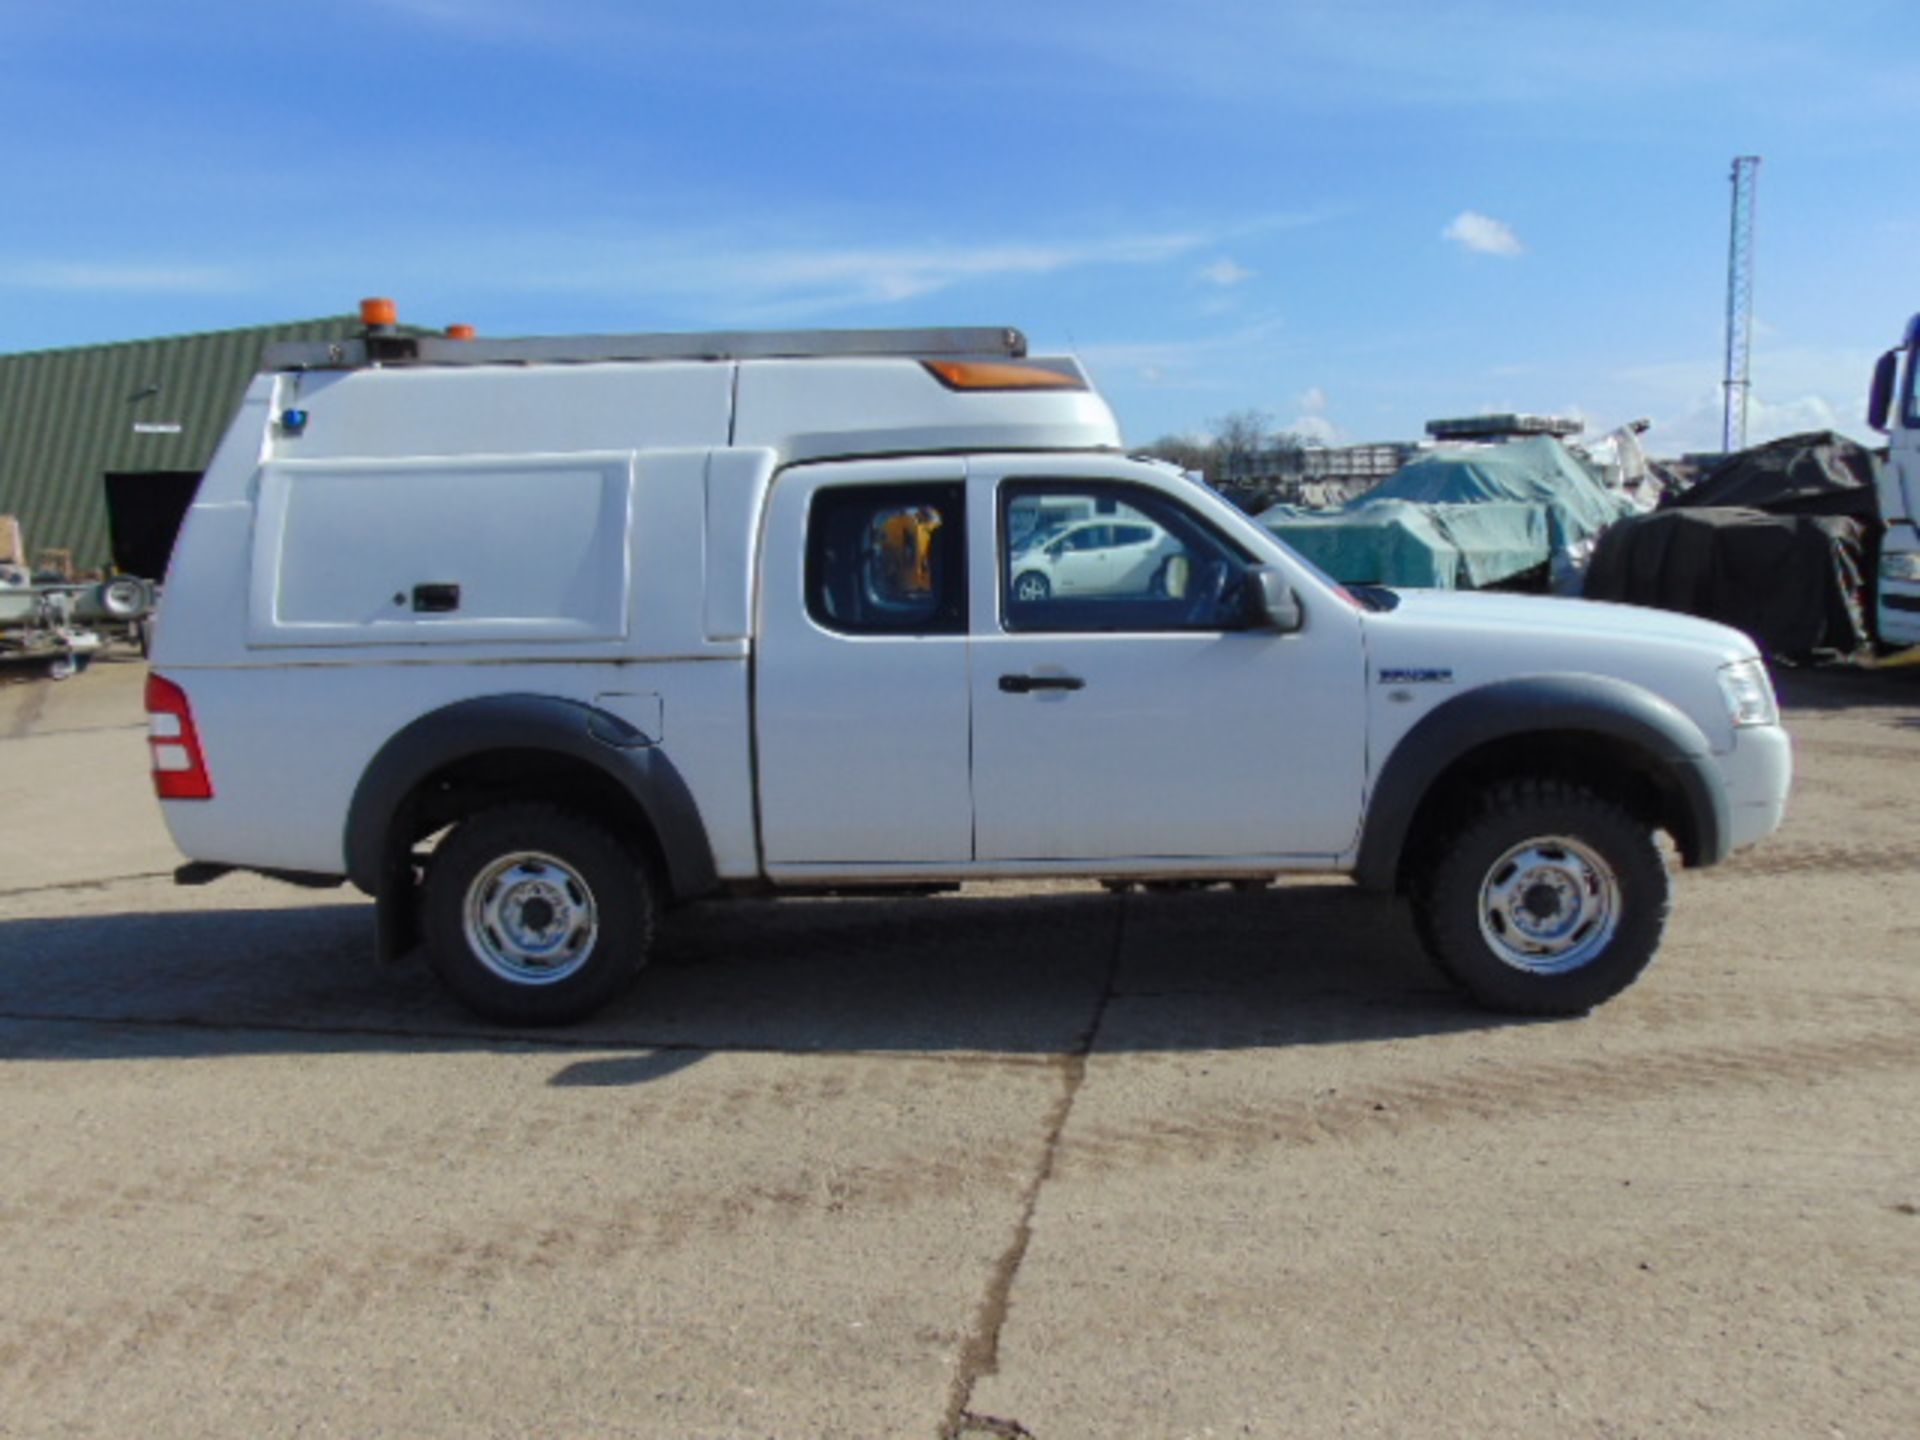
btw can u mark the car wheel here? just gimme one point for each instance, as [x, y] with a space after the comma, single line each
[1547, 900]
[1031, 585]
[123, 597]
[535, 915]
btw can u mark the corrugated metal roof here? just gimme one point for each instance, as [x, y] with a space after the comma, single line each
[68, 417]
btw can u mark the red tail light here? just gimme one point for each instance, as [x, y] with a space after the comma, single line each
[179, 765]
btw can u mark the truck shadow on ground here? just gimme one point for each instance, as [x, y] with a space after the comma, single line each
[1001, 976]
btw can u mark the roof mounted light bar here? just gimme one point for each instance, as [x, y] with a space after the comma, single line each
[980, 343]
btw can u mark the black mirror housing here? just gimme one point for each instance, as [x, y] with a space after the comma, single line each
[1880, 398]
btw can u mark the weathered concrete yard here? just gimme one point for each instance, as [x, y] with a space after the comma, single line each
[1059, 1163]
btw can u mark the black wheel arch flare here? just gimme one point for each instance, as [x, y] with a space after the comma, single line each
[468, 730]
[1592, 708]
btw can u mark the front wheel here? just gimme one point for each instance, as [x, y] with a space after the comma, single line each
[535, 915]
[1547, 900]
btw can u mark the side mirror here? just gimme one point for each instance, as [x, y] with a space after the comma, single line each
[1880, 398]
[1270, 603]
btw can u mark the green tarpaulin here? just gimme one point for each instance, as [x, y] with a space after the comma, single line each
[1457, 518]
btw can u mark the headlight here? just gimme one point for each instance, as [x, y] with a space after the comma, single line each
[1749, 693]
[1902, 567]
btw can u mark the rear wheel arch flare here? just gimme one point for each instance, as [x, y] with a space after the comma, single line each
[480, 753]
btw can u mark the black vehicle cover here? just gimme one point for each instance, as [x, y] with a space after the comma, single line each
[1818, 473]
[1773, 540]
[1792, 582]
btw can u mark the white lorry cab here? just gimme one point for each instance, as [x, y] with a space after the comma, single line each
[1894, 409]
[529, 639]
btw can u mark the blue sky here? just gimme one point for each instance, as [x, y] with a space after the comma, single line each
[1353, 216]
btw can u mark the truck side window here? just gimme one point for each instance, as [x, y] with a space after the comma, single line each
[1101, 556]
[888, 559]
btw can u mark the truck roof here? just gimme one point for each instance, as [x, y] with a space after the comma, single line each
[385, 345]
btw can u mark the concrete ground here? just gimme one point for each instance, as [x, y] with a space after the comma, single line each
[1039, 1162]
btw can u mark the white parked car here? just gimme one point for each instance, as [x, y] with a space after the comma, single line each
[531, 638]
[1111, 555]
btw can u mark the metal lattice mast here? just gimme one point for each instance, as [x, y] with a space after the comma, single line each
[1733, 435]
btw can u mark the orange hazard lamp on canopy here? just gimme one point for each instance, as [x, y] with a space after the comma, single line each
[1001, 375]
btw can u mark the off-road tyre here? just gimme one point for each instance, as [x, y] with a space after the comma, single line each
[536, 915]
[1545, 899]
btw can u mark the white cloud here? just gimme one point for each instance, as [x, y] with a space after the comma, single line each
[1483, 234]
[790, 282]
[1795, 388]
[1698, 428]
[1314, 428]
[1226, 273]
[1769, 420]
[1206, 364]
[1312, 423]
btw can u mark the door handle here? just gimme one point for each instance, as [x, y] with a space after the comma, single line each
[436, 599]
[1027, 684]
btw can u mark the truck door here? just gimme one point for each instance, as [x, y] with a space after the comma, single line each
[1146, 721]
[860, 710]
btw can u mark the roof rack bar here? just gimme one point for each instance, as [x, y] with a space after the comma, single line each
[998, 342]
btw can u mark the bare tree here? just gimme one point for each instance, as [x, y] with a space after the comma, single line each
[1225, 456]
[1239, 434]
[1189, 452]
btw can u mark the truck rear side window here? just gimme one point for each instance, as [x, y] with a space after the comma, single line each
[888, 559]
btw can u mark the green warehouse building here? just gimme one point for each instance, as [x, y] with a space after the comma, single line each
[101, 446]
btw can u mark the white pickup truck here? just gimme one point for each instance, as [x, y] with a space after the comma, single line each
[530, 638]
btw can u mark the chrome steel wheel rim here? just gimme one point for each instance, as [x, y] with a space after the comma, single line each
[1549, 905]
[1030, 587]
[531, 918]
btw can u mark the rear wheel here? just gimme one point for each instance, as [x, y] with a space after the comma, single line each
[535, 915]
[1547, 900]
[1031, 586]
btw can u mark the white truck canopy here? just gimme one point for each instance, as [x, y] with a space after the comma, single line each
[806, 395]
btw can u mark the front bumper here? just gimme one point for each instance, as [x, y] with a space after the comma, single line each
[1757, 773]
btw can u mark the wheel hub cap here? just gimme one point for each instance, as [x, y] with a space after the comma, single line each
[531, 919]
[1549, 905]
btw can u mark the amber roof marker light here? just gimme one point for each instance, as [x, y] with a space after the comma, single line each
[460, 332]
[1002, 375]
[378, 313]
